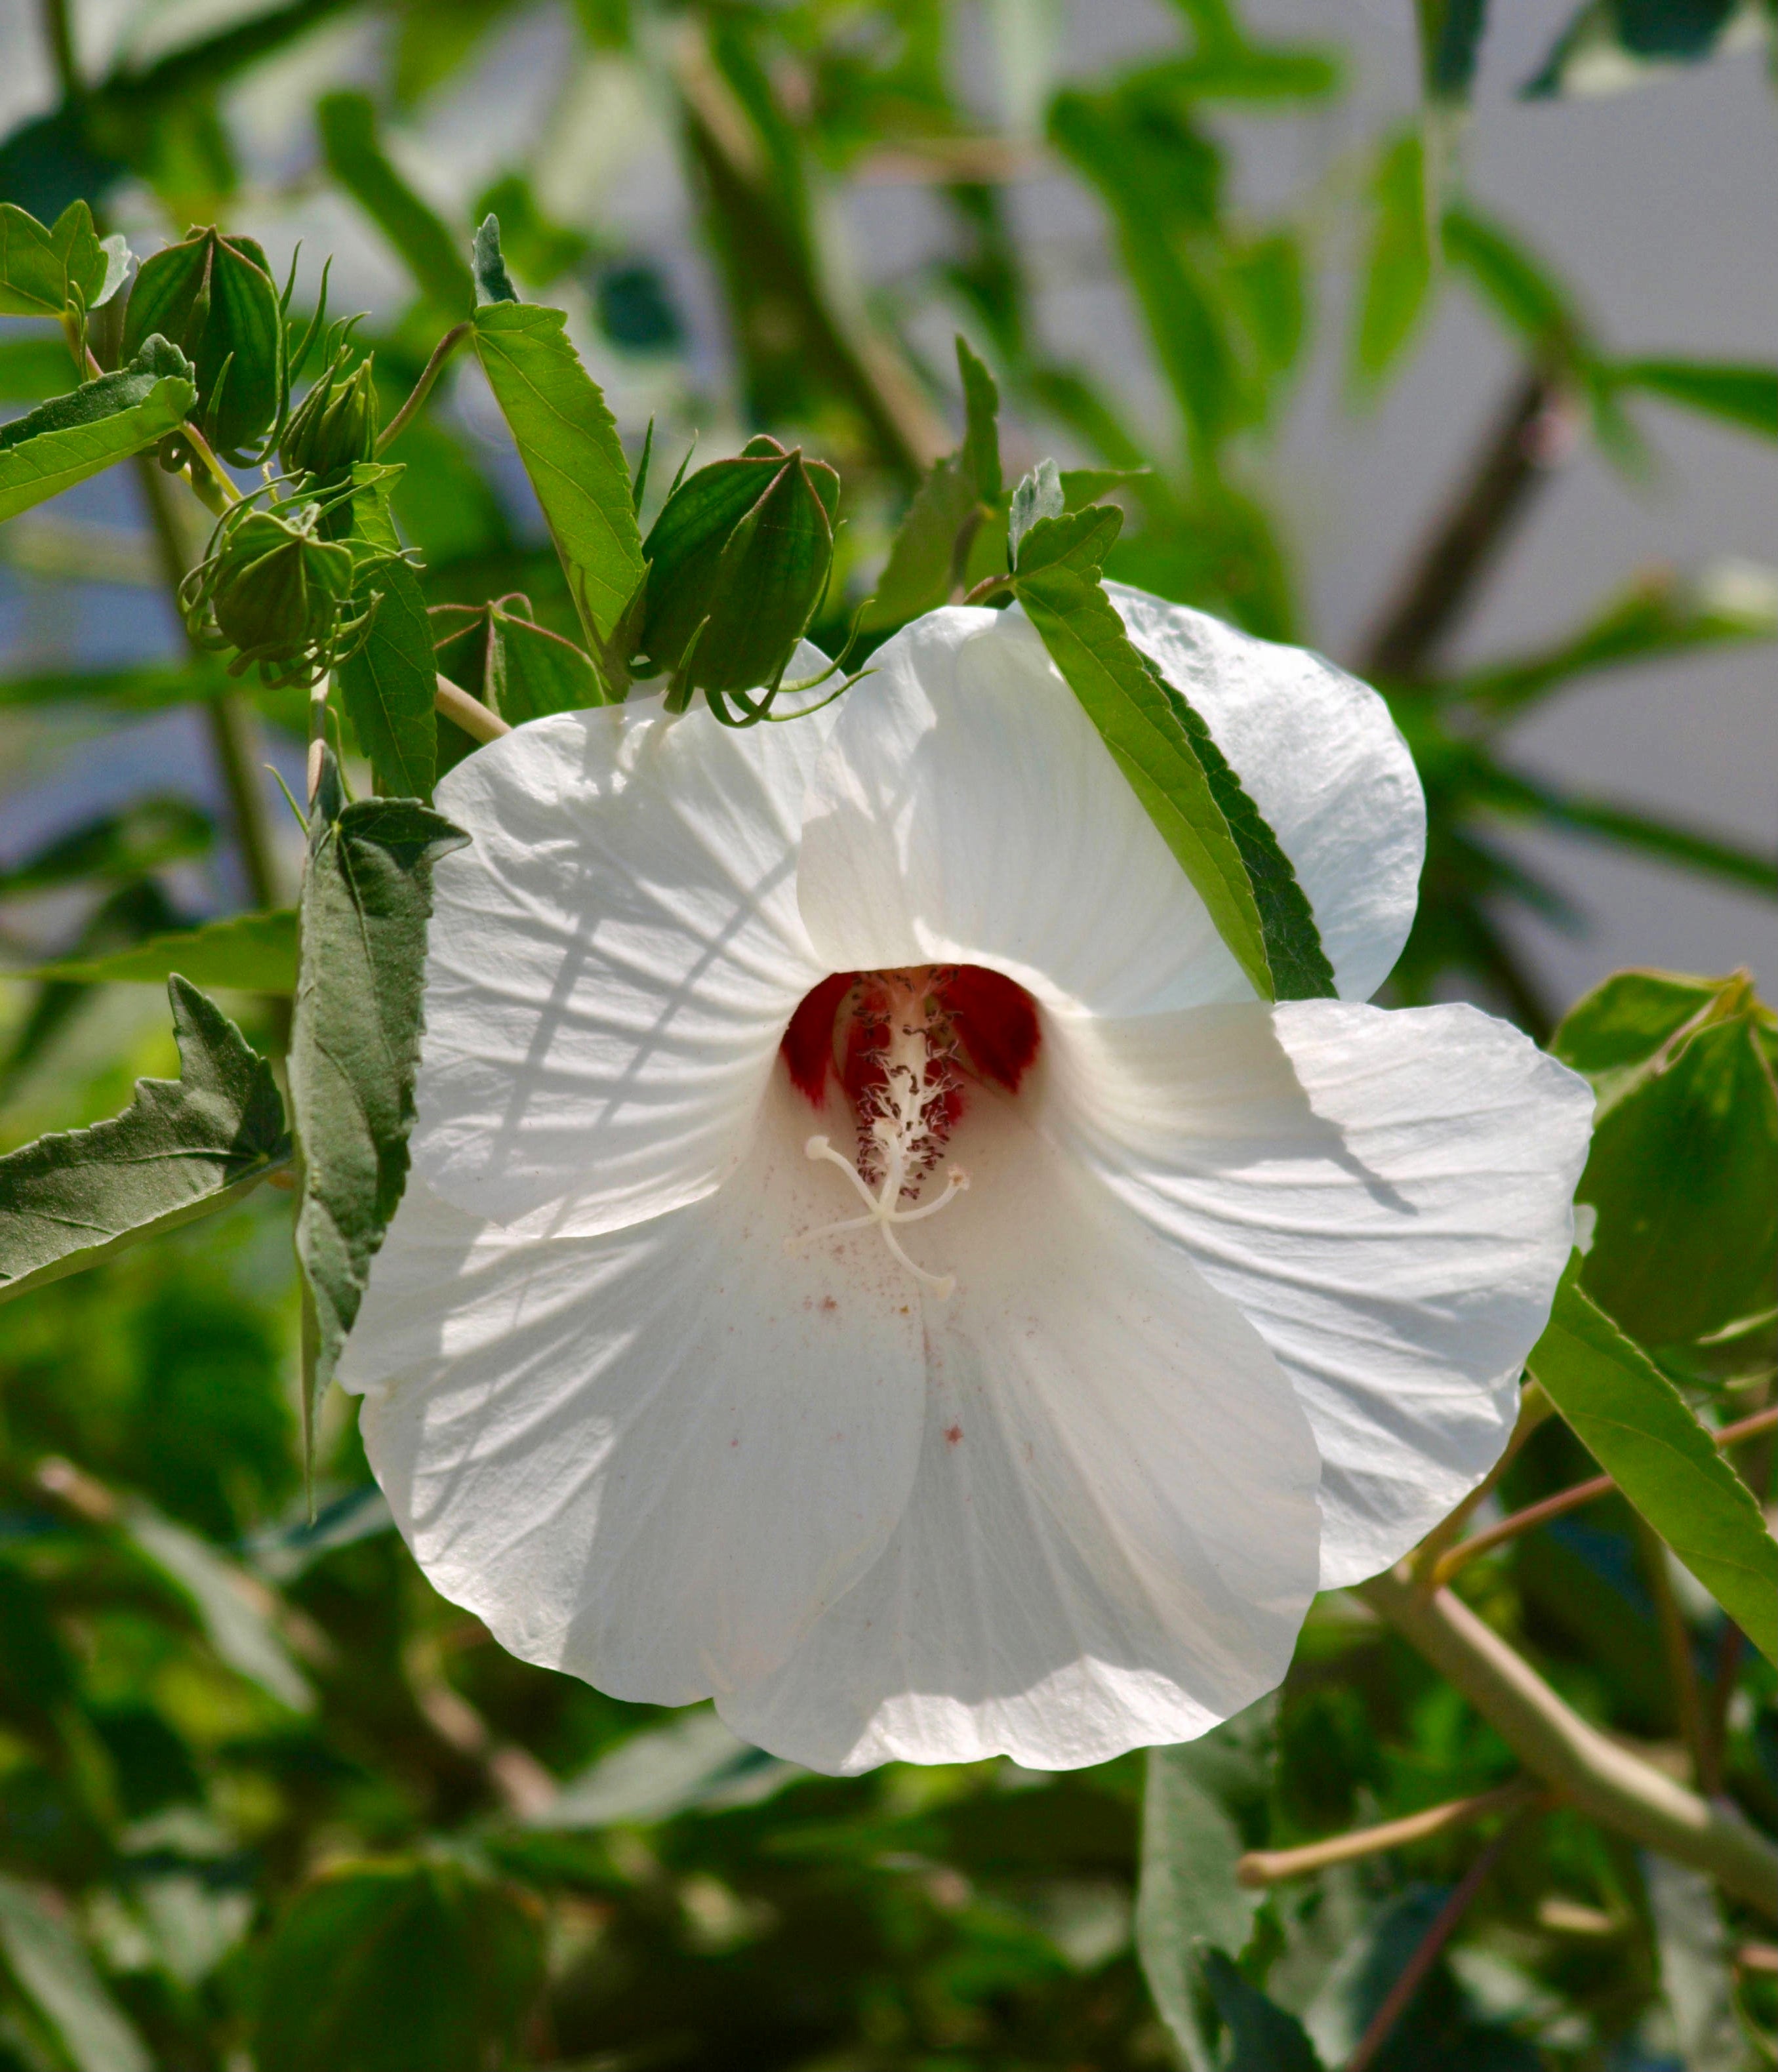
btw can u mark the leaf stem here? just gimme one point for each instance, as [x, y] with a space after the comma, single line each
[1604, 1781]
[1534, 1407]
[1265, 1866]
[59, 33]
[1676, 1645]
[469, 713]
[1529, 439]
[1444, 1924]
[423, 387]
[1564, 1501]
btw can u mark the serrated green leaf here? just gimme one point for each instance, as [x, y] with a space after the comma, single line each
[357, 160]
[1195, 799]
[387, 1966]
[45, 272]
[367, 897]
[1635, 1423]
[1263, 2036]
[568, 443]
[1188, 1894]
[1398, 276]
[1743, 396]
[72, 436]
[248, 953]
[183, 1149]
[1618, 1034]
[53, 1970]
[389, 687]
[532, 672]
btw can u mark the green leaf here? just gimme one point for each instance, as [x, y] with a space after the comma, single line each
[33, 368]
[1609, 43]
[232, 1607]
[389, 686]
[1697, 1966]
[142, 836]
[43, 272]
[493, 284]
[920, 573]
[387, 1966]
[1263, 2037]
[569, 445]
[367, 896]
[249, 952]
[532, 672]
[1635, 1423]
[1654, 617]
[1683, 1168]
[138, 687]
[53, 1969]
[978, 457]
[1163, 747]
[1399, 267]
[357, 160]
[1451, 34]
[1189, 1895]
[1524, 295]
[183, 1149]
[1743, 396]
[72, 436]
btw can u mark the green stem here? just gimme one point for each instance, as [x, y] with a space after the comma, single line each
[1605, 1782]
[229, 721]
[422, 389]
[59, 33]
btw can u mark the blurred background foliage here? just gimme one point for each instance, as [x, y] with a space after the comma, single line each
[266, 1800]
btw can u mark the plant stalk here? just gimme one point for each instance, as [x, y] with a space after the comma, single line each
[423, 387]
[1605, 1782]
[1532, 436]
[1265, 1866]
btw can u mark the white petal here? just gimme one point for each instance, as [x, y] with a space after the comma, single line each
[1318, 754]
[650, 1457]
[611, 961]
[1111, 1539]
[1387, 1198]
[966, 810]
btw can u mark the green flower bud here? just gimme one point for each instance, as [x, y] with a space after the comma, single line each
[279, 594]
[334, 425]
[738, 560]
[215, 297]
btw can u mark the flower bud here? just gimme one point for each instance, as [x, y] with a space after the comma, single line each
[215, 297]
[334, 425]
[738, 561]
[278, 593]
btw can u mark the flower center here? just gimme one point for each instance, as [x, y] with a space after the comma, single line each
[904, 1044]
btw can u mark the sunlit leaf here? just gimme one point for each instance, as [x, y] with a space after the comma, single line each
[1635, 1423]
[367, 895]
[52, 1968]
[186, 1148]
[568, 443]
[249, 952]
[45, 271]
[72, 436]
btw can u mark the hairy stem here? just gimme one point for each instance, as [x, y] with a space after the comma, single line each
[423, 387]
[1605, 1782]
[1532, 436]
[227, 715]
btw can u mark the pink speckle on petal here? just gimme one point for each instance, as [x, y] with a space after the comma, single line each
[953, 1433]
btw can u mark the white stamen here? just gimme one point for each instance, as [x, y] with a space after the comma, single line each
[904, 1132]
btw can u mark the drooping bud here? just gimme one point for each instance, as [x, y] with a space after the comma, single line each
[215, 297]
[738, 560]
[278, 593]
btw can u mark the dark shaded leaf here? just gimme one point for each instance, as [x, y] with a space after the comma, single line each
[185, 1148]
[386, 1967]
[1746, 397]
[1263, 2037]
[1451, 34]
[367, 896]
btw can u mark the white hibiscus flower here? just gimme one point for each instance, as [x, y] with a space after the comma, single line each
[871, 1259]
